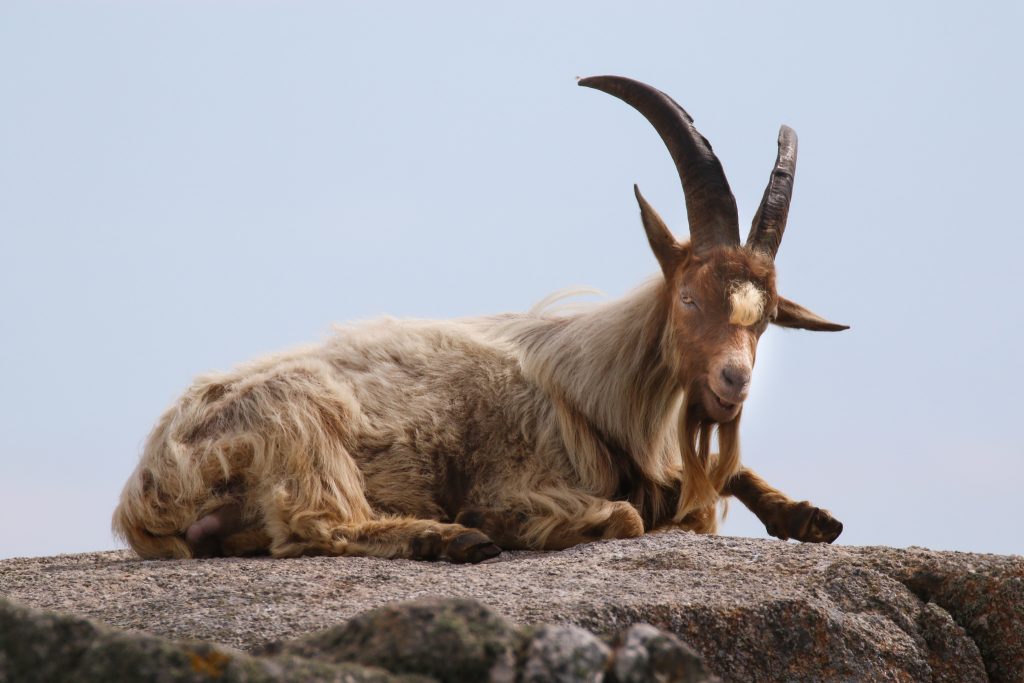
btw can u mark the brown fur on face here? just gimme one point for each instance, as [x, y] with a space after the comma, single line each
[701, 288]
[715, 347]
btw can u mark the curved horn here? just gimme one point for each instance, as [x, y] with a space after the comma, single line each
[770, 219]
[710, 206]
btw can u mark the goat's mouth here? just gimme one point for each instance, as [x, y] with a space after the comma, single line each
[718, 408]
[725, 405]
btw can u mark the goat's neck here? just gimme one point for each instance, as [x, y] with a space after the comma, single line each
[613, 364]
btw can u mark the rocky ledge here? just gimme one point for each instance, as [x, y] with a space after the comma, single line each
[753, 609]
[433, 640]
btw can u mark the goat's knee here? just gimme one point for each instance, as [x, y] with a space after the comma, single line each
[624, 521]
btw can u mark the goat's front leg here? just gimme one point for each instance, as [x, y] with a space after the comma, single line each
[783, 517]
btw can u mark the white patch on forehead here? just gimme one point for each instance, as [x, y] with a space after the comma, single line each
[747, 303]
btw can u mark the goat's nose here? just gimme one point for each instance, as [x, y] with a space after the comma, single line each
[736, 377]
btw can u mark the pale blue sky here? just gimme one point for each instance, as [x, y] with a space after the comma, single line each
[186, 185]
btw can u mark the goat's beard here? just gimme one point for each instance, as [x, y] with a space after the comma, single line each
[705, 474]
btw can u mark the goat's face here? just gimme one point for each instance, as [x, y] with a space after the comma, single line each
[721, 304]
[722, 293]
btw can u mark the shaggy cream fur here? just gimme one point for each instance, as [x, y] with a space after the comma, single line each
[409, 421]
[746, 302]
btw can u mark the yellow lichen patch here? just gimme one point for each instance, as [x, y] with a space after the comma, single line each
[211, 663]
[747, 303]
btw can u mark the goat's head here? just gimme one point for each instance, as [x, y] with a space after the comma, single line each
[722, 293]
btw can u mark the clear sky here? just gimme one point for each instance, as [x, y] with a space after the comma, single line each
[187, 185]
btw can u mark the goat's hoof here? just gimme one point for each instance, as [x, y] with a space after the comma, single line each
[811, 524]
[806, 523]
[471, 546]
[823, 527]
[427, 546]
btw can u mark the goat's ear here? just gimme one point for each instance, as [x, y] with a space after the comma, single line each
[794, 315]
[663, 243]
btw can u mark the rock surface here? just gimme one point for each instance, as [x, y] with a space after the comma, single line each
[427, 641]
[755, 609]
[44, 647]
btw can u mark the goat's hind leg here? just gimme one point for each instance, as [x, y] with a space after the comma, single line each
[783, 517]
[564, 522]
[308, 519]
[391, 537]
[421, 539]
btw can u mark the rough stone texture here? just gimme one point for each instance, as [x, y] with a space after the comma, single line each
[643, 652]
[40, 647]
[454, 640]
[426, 641]
[565, 653]
[755, 609]
[951, 655]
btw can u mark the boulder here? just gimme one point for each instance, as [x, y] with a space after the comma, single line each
[441, 640]
[753, 609]
[45, 647]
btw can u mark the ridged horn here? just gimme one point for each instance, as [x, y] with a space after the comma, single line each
[710, 205]
[770, 220]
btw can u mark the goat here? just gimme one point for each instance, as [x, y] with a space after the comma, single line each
[457, 439]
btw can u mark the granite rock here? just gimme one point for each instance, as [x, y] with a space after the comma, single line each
[424, 641]
[753, 609]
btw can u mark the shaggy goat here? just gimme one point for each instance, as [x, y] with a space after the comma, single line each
[455, 439]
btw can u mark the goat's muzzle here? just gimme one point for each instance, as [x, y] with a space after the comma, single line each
[732, 383]
[725, 389]
[719, 409]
